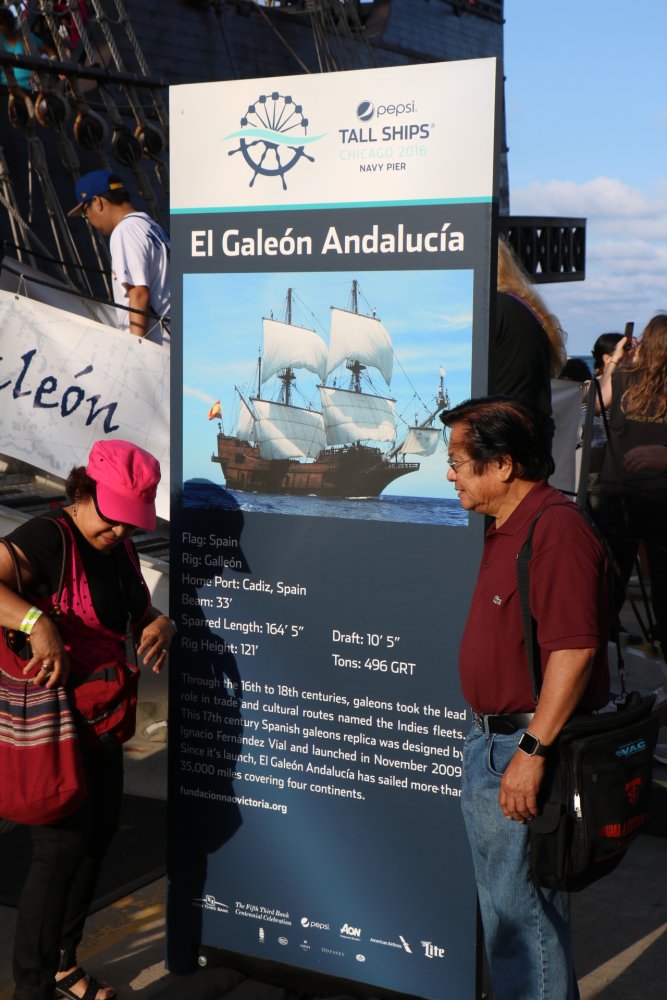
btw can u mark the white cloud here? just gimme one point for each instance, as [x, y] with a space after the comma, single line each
[603, 197]
[197, 394]
[626, 254]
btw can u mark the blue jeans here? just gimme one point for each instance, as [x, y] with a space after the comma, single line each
[526, 928]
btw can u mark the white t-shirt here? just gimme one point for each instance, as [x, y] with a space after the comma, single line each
[140, 256]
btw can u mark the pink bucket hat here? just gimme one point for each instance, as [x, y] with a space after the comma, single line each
[126, 478]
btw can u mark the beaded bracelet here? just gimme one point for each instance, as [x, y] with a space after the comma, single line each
[28, 623]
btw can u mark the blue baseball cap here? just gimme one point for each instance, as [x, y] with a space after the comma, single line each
[95, 184]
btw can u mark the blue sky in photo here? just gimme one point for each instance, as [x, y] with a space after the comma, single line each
[587, 136]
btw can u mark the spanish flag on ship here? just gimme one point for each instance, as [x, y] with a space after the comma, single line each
[215, 412]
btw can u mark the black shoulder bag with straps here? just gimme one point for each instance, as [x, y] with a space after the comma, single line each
[596, 794]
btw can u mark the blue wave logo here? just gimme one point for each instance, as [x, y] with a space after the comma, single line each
[273, 137]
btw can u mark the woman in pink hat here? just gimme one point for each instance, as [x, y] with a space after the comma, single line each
[104, 600]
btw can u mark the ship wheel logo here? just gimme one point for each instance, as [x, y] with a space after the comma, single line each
[273, 134]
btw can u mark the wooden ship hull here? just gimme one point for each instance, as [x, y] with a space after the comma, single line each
[355, 470]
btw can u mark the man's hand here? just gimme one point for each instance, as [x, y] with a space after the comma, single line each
[519, 787]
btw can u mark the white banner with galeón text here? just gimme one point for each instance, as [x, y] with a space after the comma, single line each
[66, 382]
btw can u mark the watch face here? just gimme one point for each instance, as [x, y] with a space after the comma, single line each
[529, 743]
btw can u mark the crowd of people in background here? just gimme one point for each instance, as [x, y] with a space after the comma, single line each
[627, 448]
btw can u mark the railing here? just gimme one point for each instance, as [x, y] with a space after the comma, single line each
[550, 249]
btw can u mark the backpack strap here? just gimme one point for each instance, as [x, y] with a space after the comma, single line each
[528, 622]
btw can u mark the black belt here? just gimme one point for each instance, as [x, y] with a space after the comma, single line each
[506, 724]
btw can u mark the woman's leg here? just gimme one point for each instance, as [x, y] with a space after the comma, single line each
[56, 854]
[104, 772]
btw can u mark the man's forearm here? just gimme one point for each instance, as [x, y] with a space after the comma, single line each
[565, 678]
[139, 301]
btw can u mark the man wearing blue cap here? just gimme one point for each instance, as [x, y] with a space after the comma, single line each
[139, 254]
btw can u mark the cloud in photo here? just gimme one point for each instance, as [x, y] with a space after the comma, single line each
[626, 254]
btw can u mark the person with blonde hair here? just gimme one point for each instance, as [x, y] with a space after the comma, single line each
[634, 474]
[529, 345]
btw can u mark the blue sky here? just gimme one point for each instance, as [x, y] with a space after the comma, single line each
[428, 315]
[587, 131]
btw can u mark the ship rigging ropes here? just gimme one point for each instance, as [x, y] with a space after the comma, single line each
[72, 30]
[338, 33]
[346, 414]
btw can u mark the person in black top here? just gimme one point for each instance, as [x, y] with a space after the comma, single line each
[634, 474]
[104, 598]
[528, 348]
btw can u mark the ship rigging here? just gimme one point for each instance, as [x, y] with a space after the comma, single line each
[334, 449]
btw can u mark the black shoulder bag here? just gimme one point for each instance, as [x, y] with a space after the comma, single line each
[596, 794]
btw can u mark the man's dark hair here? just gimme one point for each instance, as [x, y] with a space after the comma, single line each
[118, 195]
[495, 426]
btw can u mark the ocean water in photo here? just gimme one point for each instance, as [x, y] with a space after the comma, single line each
[201, 493]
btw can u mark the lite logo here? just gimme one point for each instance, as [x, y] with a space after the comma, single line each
[630, 749]
[350, 932]
[432, 950]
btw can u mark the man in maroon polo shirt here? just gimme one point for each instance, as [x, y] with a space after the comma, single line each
[499, 461]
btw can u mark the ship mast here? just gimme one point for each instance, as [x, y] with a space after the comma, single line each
[355, 367]
[441, 404]
[287, 376]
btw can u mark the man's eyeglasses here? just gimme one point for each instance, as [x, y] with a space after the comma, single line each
[456, 463]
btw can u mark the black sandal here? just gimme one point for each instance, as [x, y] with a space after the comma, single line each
[63, 986]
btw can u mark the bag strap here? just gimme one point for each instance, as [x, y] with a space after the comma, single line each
[586, 441]
[56, 610]
[17, 567]
[527, 619]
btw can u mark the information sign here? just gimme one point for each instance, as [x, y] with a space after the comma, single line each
[331, 242]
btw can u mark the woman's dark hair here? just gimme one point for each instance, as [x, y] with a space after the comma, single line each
[605, 344]
[79, 485]
[495, 426]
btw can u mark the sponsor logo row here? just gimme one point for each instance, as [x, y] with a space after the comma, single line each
[348, 932]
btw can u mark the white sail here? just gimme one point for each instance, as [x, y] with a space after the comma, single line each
[245, 427]
[289, 346]
[287, 431]
[355, 416]
[359, 338]
[421, 441]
